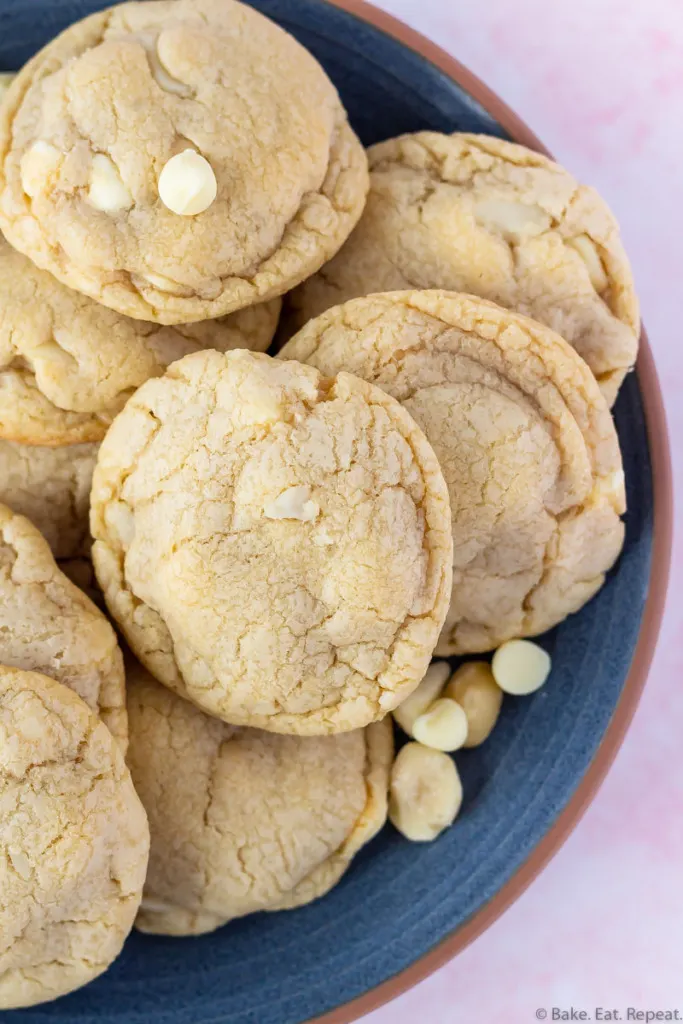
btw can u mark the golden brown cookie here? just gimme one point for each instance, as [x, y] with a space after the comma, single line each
[68, 364]
[74, 842]
[47, 625]
[51, 487]
[525, 441]
[274, 545]
[475, 214]
[243, 820]
[178, 160]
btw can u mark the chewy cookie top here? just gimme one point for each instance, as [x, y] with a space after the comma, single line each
[243, 820]
[524, 438]
[274, 181]
[274, 544]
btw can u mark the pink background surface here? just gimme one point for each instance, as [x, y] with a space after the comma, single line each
[601, 82]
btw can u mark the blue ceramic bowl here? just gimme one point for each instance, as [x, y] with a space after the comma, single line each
[525, 788]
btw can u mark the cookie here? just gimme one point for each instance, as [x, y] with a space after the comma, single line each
[68, 364]
[47, 625]
[274, 545]
[178, 160]
[525, 441]
[475, 214]
[51, 487]
[74, 842]
[243, 820]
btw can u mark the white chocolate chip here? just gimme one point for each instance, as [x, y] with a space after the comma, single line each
[6, 79]
[480, 697]
[294, 503]
[426, 693]
[520, 667]
[425, 792]
[160, 72]
[443, 726]
[162, 284]
[106, 191]
[187, 184]
[588, 252]
[39, 167]
[515, 221]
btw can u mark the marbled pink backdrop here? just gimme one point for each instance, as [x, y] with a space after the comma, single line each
[601, 82]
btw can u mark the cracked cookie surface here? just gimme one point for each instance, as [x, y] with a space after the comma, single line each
[275, 546]
[525, 441]
[90, 123]
[475, 214]
[68, 364]
[48, 625]
[51, 487]
[243, 820]
[74, 842]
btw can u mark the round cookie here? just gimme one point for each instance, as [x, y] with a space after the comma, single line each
[74, 842]
[98, 127]
[471, 213]
[525, 441]
[51, 487]
[274, 545]
[48, 625]
[243, 820]
[68, 364]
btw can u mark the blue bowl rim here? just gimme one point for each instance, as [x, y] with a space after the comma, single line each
[660, 454]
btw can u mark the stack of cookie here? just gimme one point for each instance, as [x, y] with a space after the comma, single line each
[283, 542]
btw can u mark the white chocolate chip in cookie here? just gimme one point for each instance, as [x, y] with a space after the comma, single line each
[520, 667]
[588, 252]
[107, 191]
[187, 184]
[163, 284]
[39, 166]
[514, 221]
[160, 72]
[294, 503]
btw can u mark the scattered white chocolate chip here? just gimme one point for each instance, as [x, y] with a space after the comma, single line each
[426, 693]
[520, 667]
[6, 79]
[473, 687]
[39, 165]
[187, 184]
[294, 503]
[106, 190]
[588, 252]
[425, 792]
[443, 726]
[515, 221]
